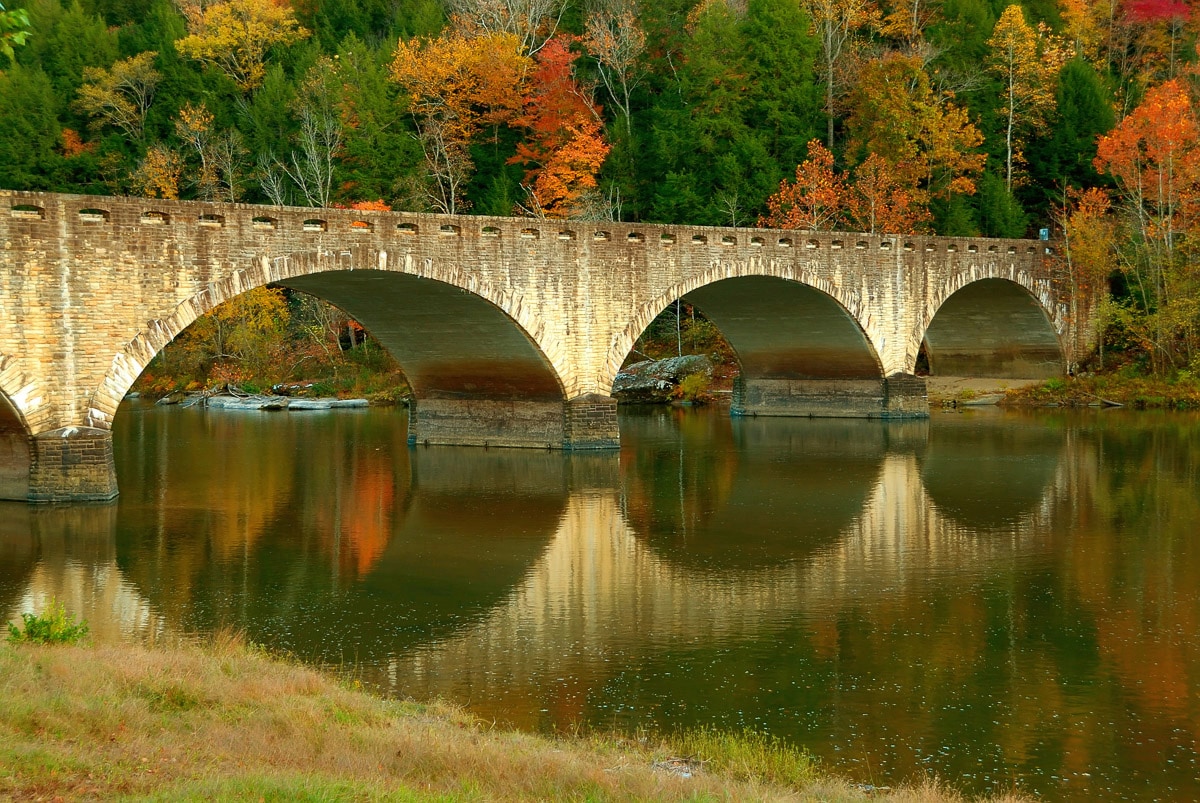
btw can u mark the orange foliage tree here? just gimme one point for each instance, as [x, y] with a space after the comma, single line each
[1154, 157]
[879, 200]
[565, 147]
[816, 200]
[457, 86]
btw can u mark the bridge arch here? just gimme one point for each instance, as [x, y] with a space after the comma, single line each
[457, 338]
[346, 283]
[994, 325]
[808, 346]
[724, 293]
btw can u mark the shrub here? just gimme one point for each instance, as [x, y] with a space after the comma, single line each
[695, 388]
[50, 627]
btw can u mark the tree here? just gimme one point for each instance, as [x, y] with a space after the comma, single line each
[879, 200]
[1083, 110]
[837, 23]
[457, 86]
[120, 96]
[159, 173]
[616, 40]
[929, 141]
[14, 30]
[221, 155]
[533, 22]
[816, 200]
[1027, 62]
[1089, 246]
[318, 106]
[565, 147]
[235, 35]
[29, 128]
[1154, 157]
[380, 157]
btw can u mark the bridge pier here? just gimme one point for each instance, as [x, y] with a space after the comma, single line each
[586, 422]
[899, 396]
[72, 464]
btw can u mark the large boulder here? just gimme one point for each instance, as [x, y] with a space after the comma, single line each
[654, 381]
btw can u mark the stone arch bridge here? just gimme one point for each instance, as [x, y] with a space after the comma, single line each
[511, 331]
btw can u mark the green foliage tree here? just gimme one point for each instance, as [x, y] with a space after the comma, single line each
[14, 30]
[29, 129]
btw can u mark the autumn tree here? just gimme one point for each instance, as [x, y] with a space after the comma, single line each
[240, 338]
[1027, 62]
[616, 40]
[120, 96]
[879, 199]
[533, 22]
[815, 200]
[565, 146]
[929, 141]
[837, 23]
[458, 86]
[312, 162]
[221, 155]
[1153, 155]
[235, 36]
[1089, 248]
[159, 173]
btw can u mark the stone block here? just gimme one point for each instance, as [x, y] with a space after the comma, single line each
[73, 464]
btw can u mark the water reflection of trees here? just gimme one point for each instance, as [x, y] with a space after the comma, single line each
[326, 534]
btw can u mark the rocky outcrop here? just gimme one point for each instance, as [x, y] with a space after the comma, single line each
[655, 381]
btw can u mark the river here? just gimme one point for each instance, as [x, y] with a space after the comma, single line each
[1003, 600]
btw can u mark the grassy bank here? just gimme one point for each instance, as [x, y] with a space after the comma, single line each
[223, 720]
[1139, 392]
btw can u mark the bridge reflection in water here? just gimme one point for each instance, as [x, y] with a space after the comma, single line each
[987, 597]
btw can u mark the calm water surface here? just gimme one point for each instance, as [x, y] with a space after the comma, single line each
[1005, 601]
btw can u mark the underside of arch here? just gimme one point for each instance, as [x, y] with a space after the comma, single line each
[801, 352]
[15, 459]
[477, 377]
[993, 328]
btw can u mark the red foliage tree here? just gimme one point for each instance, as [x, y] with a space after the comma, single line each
[565, 146]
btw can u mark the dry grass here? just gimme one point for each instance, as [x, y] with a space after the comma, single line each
[225, 721]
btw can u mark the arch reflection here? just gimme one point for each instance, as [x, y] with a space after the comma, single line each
[777, 492]
[987, 474]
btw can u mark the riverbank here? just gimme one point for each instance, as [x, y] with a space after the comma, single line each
[225, 720]
[1106, 390]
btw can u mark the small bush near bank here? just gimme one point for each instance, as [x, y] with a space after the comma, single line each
[695, 388]
[52, 626]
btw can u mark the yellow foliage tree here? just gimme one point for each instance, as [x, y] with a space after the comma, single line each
[1027, 62]
[159, 173]
[928, 141]
[235, 36]
[244, 335]
[457, 86]
[121, 95]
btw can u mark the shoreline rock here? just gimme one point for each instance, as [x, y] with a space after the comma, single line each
[655, 381]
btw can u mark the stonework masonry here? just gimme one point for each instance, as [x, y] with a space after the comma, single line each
[91, 288]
